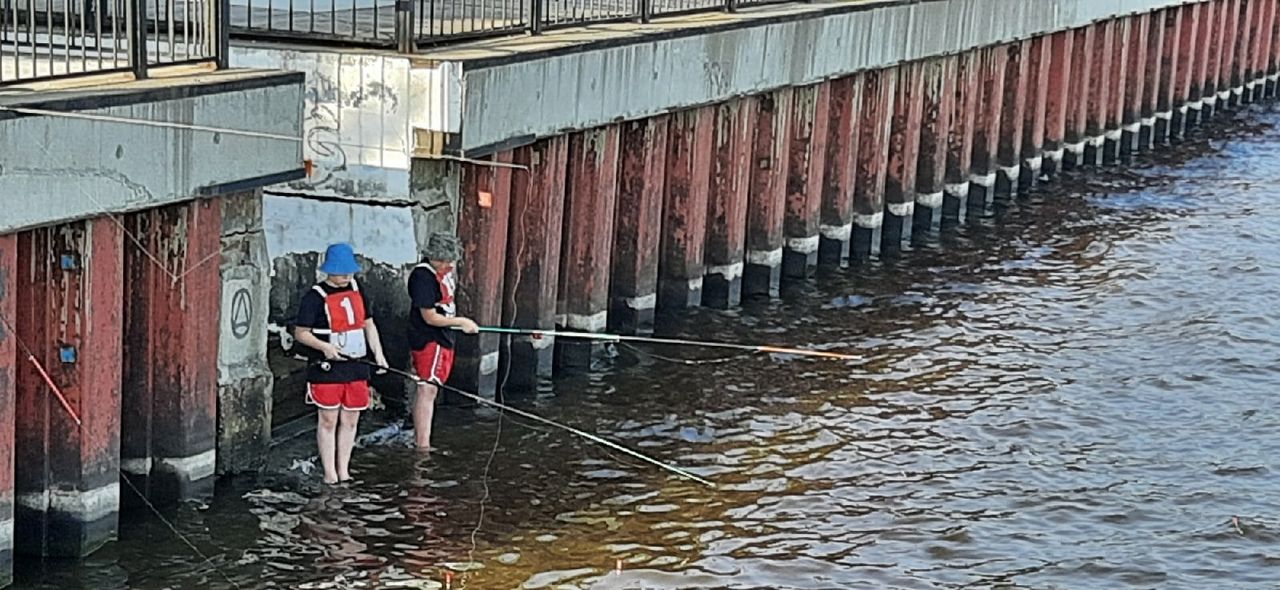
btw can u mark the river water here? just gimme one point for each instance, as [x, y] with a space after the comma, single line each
[1074, 392]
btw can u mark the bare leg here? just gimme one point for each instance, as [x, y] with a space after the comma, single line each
[424, 409]
[346, 441]
[325, 440]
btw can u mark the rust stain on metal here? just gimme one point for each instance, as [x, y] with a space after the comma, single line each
[690, 138]
[842, 152]
[1193, 70]
[935, 123]
[1014, 101]
[730, 182]
[990, 108]
[767, 196]
[1100, 80]
[1058, 99]
[873, 140]
[1082, 69]
[1039, 63]
[960, 138]
[1154, 64]
[904, 135]
[590, 201]
[806, 158]
[642, 173]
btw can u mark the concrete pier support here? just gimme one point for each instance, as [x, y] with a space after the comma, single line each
[935, 126]
[9, 359]
[806, 160]
[485, 202]
[1131, 103]
[904, 150]
[1168, 108]
[67, 476]
[1119, 82]
[684, 224]
[986, 131]
[633, 282]
[960, 137]
[1255, 68]
[1058, 102]
[532, 274]
[590, 201]
[767, 199]
[836, 213]
[875, 121]
[1153, 81]
[1242, 75]
[1187, 98]
[1079, 90]
[1271, 51]
[1228, 63]
[1204, 19]
[170, 395]
[727, 203]
[245, 381]
[1101, 82]
[1039, 60]
[1273, 55]
[1013, 107]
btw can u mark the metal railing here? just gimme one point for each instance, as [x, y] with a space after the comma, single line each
[408, 24]
[47, 39]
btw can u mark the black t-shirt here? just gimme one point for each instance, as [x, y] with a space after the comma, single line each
[312, 314]
[430, 290]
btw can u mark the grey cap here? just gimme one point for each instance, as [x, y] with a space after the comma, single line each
[444, 247]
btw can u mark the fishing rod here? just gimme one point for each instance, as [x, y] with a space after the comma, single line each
[672, 341]
[591, 437]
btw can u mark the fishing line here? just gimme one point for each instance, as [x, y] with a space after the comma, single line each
[196, 550]
[149, 123]
[763, 348]
[714, 361]
[501, 390]
[31, 357]
[67, 407]
[591, 437]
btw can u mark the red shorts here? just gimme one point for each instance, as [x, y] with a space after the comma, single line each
[331, 396]
[433, 363]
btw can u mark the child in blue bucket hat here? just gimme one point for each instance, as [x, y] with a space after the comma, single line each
[336, 325]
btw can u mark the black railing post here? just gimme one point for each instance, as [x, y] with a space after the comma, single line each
[222, 20]
[730, 5]
[646, 10]
[137, 33]
[535, 17]
[405, 36]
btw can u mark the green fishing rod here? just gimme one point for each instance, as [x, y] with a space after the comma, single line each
[600, 336]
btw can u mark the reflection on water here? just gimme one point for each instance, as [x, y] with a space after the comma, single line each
[1075, 392]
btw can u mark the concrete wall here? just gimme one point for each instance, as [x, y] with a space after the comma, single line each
[388, 236]
[361, 110]
[58, 168]
[634, 76]
[244, 379]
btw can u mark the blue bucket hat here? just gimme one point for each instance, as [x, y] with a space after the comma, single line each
[340, 259]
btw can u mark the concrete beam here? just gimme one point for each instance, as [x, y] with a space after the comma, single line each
[59, 166]
[558, 82]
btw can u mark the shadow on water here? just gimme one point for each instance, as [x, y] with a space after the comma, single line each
[1070, 393]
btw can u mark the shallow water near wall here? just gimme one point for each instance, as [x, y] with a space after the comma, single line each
[1073, 392]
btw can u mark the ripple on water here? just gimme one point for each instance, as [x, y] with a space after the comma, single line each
[1075, 395]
